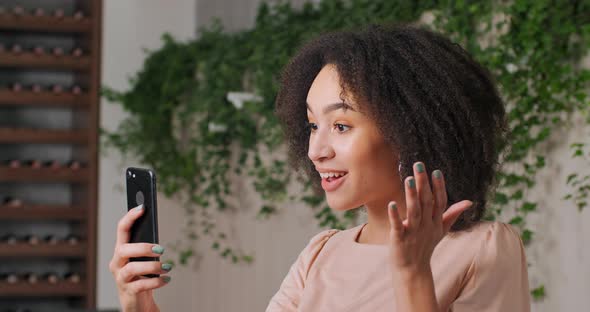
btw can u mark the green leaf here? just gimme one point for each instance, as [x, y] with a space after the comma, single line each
[527, 236]
[516, 220]
[538, 293]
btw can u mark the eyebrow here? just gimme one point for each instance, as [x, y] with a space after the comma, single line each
[333, 107]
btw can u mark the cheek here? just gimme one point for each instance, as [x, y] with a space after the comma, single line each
[372, 162]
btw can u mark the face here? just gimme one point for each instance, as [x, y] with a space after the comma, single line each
[347, 144]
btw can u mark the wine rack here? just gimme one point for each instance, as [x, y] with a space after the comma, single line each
[49, 105]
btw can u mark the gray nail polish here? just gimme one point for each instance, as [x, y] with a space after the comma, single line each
[166, 279]
[437, 174]
[158, 249]
[420, 167]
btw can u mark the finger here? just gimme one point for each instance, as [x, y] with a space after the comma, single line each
[125, 224]
[424, 191]
[413, 212]
[451, 215]
[133, 250]
[397, 228]
[145, 284]
[440, 196]
[132, 270]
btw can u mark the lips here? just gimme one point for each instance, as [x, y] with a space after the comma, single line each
[332, 183]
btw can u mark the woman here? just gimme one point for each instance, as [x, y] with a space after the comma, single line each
[366, 115]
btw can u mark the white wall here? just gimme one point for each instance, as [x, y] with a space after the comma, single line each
[559, 254]
[128, 27]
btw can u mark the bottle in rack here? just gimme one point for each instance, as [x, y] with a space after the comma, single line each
[73, 277]
[57, 51]
[16, 48]
[72, 239]
[18, 10]
[76, 90]
[57, 89]
[30, 277]
[10, 278]
[32, 239]
[77, 52]
[9, 239]
[12, 163]
[34, 163]
[51, 239]
[78, 15]
[52, 164]
[36, 88]
[39, 50]
[50, 277]
[38, 12]
[75, 164]
[12, 202]
[16, 87]
[58, 13]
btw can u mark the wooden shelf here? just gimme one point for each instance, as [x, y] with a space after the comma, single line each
[25, 135]
[25, 250]
[66, 24]
[41, 212]
[46, 61]
[43, 175]
[43, 289]
[82, 137]
[43, 98]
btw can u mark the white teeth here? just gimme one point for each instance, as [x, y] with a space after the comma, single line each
[331, 174]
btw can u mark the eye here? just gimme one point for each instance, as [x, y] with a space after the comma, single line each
[312, 126]
[342, 128]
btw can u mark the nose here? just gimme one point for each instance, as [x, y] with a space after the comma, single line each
[320, 147]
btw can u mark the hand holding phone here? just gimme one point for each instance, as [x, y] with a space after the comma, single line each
[135, 264]
[141, 190]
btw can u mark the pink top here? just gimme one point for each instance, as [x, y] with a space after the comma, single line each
[481, 269]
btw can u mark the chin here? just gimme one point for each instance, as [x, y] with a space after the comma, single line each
[339, 202]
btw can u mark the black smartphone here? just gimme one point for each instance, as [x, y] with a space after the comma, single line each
[141, 189]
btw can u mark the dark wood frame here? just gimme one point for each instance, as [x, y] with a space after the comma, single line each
[84, 179]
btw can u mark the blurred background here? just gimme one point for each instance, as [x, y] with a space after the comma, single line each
[90, 87]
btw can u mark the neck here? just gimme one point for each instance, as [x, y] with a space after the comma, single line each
[376, 232]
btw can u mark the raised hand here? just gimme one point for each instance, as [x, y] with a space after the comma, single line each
[413, 239]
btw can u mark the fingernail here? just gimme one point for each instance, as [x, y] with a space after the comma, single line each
[437, 173]
[166, 266]
[139, 208]
[158, 249]
[166, 279]
[420, 167]
[392, 206]
[412, 183]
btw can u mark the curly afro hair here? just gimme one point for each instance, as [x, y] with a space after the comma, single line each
[431, 101]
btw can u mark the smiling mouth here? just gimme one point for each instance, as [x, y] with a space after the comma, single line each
[330, 179]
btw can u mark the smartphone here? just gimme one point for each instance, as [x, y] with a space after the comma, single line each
[141, 189]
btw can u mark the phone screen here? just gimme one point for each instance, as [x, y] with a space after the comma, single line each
[141, 189]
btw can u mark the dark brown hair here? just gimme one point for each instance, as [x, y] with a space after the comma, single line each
[431, 101]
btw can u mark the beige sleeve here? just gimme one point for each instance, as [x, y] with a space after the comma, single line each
[288, 296]
[497, 279]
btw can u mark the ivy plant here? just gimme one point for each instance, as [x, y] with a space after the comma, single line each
[182, 123]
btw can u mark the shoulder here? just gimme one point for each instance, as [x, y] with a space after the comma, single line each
[317, 242]
[501, 245]
[497, 278]
[492, 246]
